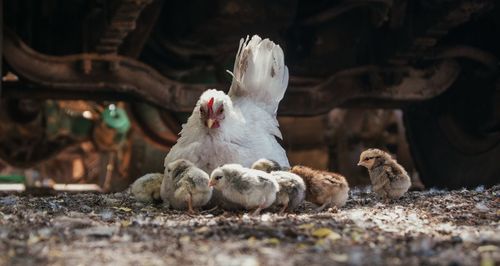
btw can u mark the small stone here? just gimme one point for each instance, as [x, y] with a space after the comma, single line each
[482, 207]
[244, 260]
[138, 204]
[106, 231]
[10, 200]
[456, 240]
[106, 215]
[85, 209]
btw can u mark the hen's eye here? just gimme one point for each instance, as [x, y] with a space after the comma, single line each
[221, 111]
[218, 177]
[202, 111]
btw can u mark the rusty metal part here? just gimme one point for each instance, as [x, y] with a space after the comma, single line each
[461, 13]
[371, 82]
[85, 74]
[122, 23]
[344, 7]
[487, 59]
[171, 121]
[428, 32]
[158, 126]
[134, 42]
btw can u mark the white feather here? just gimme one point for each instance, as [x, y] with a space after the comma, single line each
[260, 74]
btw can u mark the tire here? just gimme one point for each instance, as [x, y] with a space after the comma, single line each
[455, 138]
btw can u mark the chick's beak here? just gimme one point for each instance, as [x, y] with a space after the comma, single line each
[211, 183]
[359, 163]
[210, 122]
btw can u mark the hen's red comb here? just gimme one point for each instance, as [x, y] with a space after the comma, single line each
[210, 103]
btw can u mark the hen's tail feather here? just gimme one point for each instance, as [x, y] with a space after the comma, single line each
[260, 73]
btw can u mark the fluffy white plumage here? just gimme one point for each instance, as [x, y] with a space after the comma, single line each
[252, 189]
[185, 186]
[245, 120]
[260, 73]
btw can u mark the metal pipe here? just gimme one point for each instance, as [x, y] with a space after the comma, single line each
[94, 73]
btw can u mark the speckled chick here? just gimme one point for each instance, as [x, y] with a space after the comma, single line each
[185, 186]
[323, 188]
[292, 187]
[147, 187]
[250, 188]
[389, 179]
[292, 190]
[268, 166]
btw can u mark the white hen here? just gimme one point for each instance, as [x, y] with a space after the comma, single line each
[240, 127]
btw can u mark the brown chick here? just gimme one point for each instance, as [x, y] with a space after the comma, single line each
[389, 179]
[323, 188]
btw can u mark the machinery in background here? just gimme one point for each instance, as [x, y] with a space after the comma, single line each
[51, 142]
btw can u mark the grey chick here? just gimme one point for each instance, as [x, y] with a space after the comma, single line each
[323, 188]
[147, 187]
[389, 179]
[292, 187]
[250, 188]
[185, 186]
[292, 190]
[268, 166]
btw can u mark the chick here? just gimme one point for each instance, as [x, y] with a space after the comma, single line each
[292, 190]
[185, 186]
[147, 187]
[267, 165]
[323, 188]
[250, 188]
[292, 187]
[389, 179]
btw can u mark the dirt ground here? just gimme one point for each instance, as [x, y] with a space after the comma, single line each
[430, 227]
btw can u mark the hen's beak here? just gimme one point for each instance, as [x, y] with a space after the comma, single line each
[210, 122]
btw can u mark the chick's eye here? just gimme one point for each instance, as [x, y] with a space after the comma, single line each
[218, 177]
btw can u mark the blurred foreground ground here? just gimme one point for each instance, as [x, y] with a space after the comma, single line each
[431, 227]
